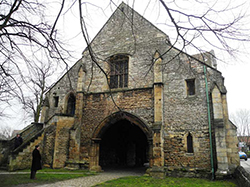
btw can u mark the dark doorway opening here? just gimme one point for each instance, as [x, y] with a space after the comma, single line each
[123, 144]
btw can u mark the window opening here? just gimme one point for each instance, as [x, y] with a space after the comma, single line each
[190, 86]
[71, 105]
[190, 143]
[119, 71]
[56, 101]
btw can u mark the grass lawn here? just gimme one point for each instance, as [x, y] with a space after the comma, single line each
[46, 176]
[43, 176]
[167, 182]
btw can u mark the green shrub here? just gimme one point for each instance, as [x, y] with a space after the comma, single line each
[248, 154]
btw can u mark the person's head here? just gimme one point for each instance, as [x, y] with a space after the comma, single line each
[37, 146]
[18, 135]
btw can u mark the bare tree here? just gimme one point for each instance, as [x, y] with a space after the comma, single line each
[5, 131]
[196, 25]
[206, 24]
[37, 84]
[25, 30]
[241, 119]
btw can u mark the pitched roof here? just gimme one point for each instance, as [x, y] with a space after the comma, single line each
[126, 24]
[123, 25]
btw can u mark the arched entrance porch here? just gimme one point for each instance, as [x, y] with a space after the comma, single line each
[121, 140]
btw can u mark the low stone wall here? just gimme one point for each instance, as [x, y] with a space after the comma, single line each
[23, 159]
[242, 177]
[76, 165]
[4, 152]
[26, 133]
[191, 173]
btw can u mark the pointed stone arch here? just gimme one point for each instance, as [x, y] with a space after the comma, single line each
[113, 118]
[70, 103]
[102, 128]
[221, 88]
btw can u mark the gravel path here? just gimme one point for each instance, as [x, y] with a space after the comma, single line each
[91, 180]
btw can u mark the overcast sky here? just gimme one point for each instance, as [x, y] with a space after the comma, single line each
[234, 70]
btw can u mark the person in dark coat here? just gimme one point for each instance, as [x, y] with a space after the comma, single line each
[36, 162]
[18, 141]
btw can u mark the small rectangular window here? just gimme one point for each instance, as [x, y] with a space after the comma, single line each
[190, 83]
[56, 100]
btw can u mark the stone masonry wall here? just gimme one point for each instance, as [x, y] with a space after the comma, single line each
[182, 113]
[4, 145]
[62, 88]
[139, 41]
[49, 142]
[100, 105]
[24, 159]
[61, 147]
[130, 34]
[185, 114]
[231, 140]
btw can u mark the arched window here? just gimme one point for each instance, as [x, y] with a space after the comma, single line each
[190, 148]
[71, 105]
[56, 101]
[118, 71]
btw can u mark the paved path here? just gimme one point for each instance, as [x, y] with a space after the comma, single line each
[245, 164]
[91, 180]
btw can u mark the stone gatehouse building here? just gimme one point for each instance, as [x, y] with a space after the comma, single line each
[135, 100]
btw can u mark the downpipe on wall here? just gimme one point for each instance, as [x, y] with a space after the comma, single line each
[209, 123]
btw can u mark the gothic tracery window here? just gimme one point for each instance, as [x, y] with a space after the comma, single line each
[119, 71]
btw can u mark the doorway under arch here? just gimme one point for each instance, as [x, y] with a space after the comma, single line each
[121, 140]
[123, 144]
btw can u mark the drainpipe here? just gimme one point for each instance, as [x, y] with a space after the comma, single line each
[209, 123]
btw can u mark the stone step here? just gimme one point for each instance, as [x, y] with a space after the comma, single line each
[21, 154]
[28, 149]
[3, 167]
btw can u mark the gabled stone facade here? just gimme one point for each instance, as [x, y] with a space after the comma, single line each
[167, 108]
